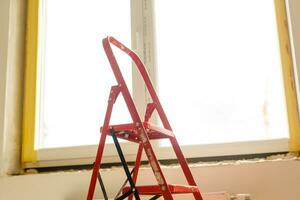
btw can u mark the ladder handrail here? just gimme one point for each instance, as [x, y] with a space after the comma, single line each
[143, 72]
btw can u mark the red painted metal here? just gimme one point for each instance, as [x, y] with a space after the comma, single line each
[155, 189]
[129, 131]
[114, 92]
[149, 110]
[139, 131]
[137, 166]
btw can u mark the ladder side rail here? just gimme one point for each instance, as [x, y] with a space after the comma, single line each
[114, 92]
[137, 166]
[122, 84]
[185, 167]
[137, 120]
[125, 166]
[139, 64]
[123, 185]
[102, 187]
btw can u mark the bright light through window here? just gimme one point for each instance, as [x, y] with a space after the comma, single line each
[219, 70]
[77, 76]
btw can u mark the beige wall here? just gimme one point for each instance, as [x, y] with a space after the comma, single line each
[12, 32]
[264, 180]
[4, 16]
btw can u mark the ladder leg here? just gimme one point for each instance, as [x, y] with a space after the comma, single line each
[137, 166]
[124, 195]
[155, 164]
[96, 167]
[185, 167]
[114, 92]
[155, 197]
[122, 158]
[125, 182]
[102, 186]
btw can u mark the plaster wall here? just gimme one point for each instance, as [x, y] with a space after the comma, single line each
[4, 20]
[12, 32]
[264, 180]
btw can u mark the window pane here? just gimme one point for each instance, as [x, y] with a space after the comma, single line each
[219, 70]
[77, 76]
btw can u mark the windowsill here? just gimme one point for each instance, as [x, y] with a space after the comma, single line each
[85, 155]
[193, 163]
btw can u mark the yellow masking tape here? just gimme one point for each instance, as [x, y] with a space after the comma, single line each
[29, 105]
[288, 76]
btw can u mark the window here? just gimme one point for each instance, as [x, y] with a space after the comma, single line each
[71, 78]
[217, 66]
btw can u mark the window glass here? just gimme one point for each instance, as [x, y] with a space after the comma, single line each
[76, 74]
[219, 70]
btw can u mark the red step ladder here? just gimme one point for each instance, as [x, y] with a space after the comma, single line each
[140, 132]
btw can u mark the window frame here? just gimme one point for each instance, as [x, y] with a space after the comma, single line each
[143, 42]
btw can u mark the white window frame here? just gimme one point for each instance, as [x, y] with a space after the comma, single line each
[143, 42]
[202, 150]
[85, 154]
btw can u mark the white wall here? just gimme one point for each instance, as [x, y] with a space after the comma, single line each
[266, 180]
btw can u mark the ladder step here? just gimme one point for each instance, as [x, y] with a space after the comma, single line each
[129, 131]
[155, 189]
